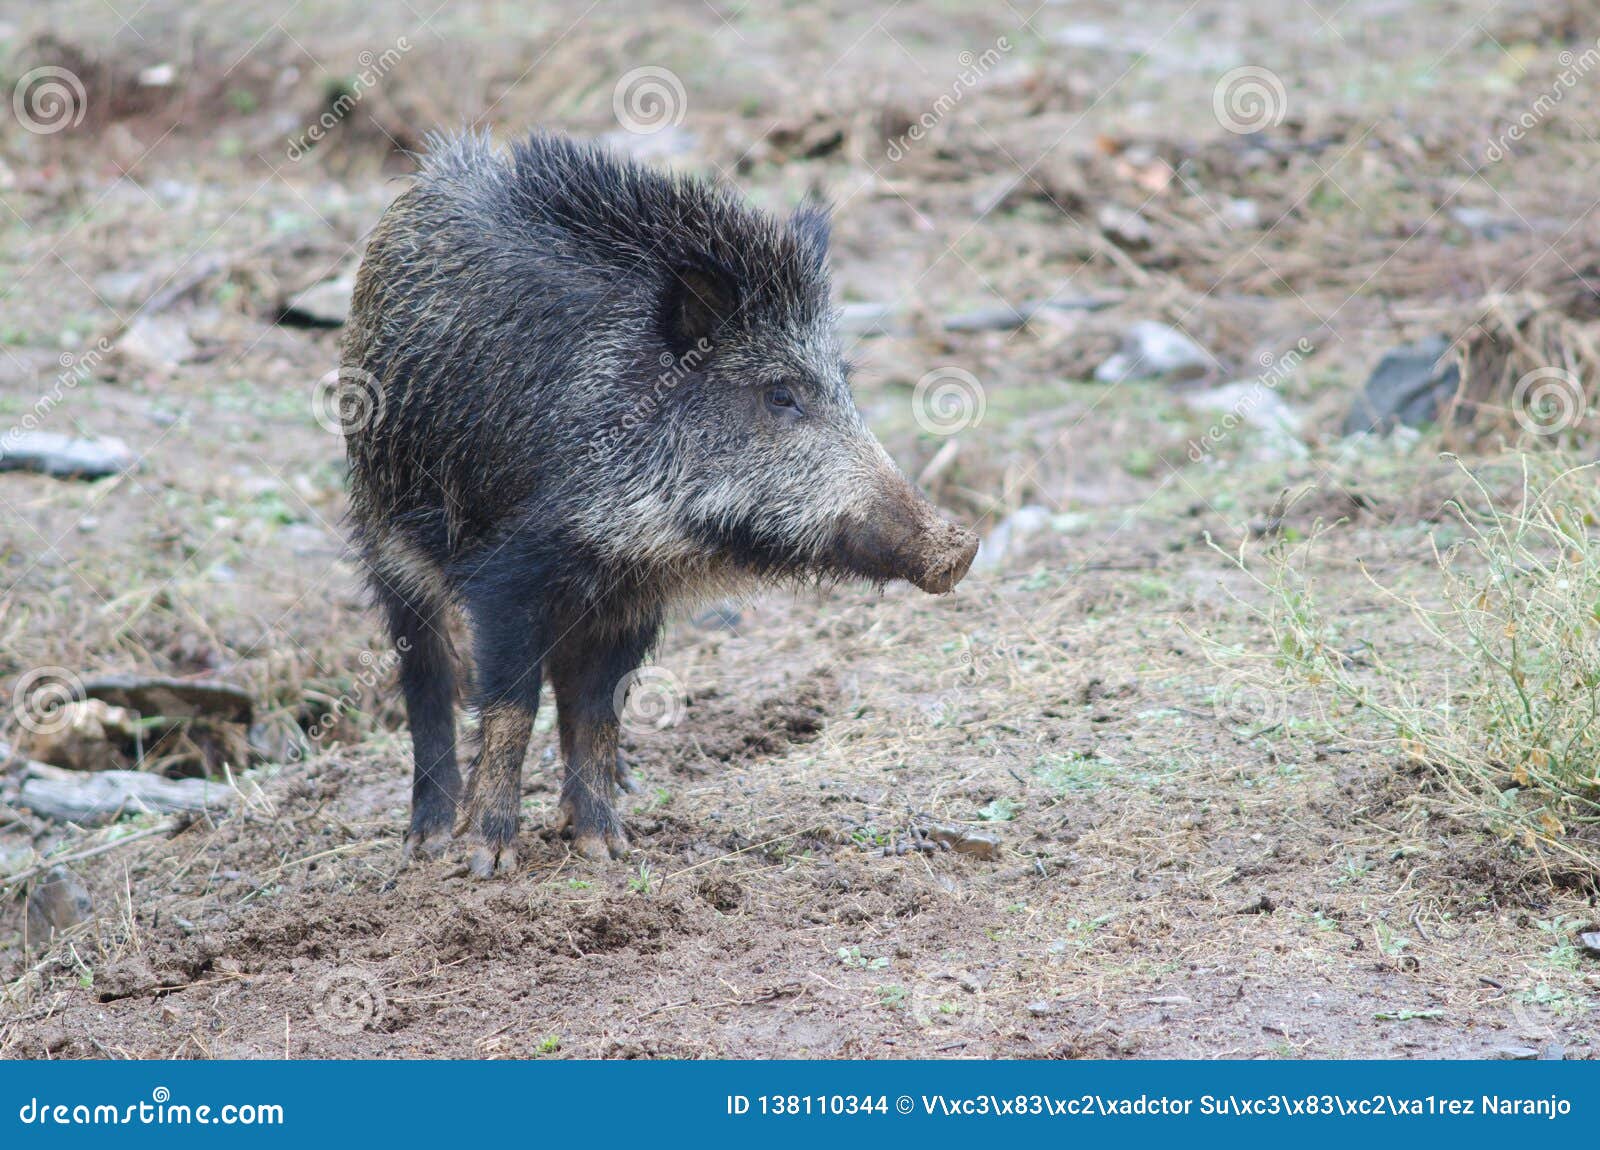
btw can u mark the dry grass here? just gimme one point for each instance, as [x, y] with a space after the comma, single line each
[1496, 685]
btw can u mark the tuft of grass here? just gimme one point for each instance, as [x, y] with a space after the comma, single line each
[1496, 686]
[851, 956]
[641, 882]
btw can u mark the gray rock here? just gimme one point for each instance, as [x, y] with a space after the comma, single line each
[1001, 318]
[1241, 213]
[722, 617]
[1008, 318]
[1010, 534]
[667, 143]
[1515, 1053]
[56, 904]
[864, 319]
[1124, 227]
[322, 305]
[123, 287]
[1252, 403]
[1153, 350]
[1590, 942]
[64, 456]
[1409, 388]
[161, 340]
[1486, 224]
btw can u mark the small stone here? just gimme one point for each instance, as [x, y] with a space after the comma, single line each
[966, 842]
[1485, 223]
[1515, 1053]
[1010, 534]
[669, 142]
[1590, 942]
[322, 305]
[722, 617]
[1153, 350]
[1409, 388]
[1001, 318]
[57, 904]
[1251, 403]
[867, 319]
[160, 340]
[1239, 213]
[1123, 227]
[1040, 1009]
[64, 457]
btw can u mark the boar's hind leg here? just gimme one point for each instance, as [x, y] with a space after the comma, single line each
[627, 782]
[507, 648]
[428, 680]
[587, 671]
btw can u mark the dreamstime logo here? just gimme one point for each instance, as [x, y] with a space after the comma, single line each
[675, 369]
[1244, 700]
[41, 699]
[1249, 99]
[1548, 401]
[1275, 370]
[949, 1002]
[374, 668]
[648, 100]
[373, 68]
[948, 400]
[1574, 67]
[347, 400]
[973, 69]
[648, 700]
[49, 99]
[74, 370]
[348, 1000]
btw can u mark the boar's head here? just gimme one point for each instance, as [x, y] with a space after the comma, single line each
[773, 468]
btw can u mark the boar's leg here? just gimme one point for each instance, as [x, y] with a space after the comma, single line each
[428, 680]
[507, 649]
[587, 671]
[627, 782]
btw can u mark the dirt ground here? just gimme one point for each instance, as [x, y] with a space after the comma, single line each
[1035, 818]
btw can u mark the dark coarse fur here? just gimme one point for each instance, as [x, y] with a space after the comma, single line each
[571, 377]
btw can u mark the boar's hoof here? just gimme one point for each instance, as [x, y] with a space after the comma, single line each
[489, 859]
[601, 845]
[425, 843]
[596, 831]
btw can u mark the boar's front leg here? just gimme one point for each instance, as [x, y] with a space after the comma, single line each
[589, 672]
[507, 644]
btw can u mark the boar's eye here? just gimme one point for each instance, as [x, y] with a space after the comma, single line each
[781, 399]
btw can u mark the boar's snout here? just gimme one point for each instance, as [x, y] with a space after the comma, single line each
[950, 552]
[902, 536]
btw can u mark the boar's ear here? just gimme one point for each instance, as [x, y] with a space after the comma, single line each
[811, 224]
[700, 297]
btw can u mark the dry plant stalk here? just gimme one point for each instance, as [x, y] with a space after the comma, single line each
[1497, 688]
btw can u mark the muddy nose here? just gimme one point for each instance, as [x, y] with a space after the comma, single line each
[949, 561]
